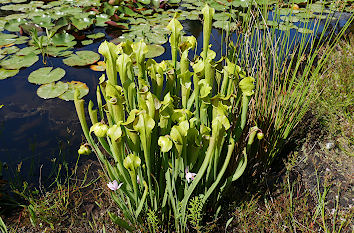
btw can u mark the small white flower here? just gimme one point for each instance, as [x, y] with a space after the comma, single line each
[114, 185]
[328, 170]
[330, 145]
[189, 175]
[138, 179]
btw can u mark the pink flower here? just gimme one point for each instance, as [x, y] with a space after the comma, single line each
[189, 175]
[114, 185]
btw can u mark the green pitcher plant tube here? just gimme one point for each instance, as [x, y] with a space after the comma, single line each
[161, 146]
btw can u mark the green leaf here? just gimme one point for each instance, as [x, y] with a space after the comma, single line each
[28, 50]
[96, 36]
[146, 2]
[6, 39]
[131, 162]
[9, 50]
[140, 49]
[115, 132]
[63, 39]
[247, 86]
[58, 51]
[52, 90]
[82, 58]
[86, 42]
[154, 51]
[17, 62]
[72, 87]
[120, 222]
[82, 23]
[46, 75]
[7, 73]
[165, 143]
[13, 25]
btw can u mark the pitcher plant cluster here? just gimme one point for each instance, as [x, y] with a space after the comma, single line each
[170, 131]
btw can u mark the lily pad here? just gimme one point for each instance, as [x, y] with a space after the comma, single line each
[72, 86]
[305, 30]
[154, 51]
[10, 50]
[6, 39]
[101, 66]
[58, 51]
[15, 62]
[13, 25]
[43, 20]
[96, 36]
[52, 90]
[86, 42]
[46, 75]
[27, 50]
[82, 58]
[82, 23]
[63, 39]
[101, 19]
[7, 73]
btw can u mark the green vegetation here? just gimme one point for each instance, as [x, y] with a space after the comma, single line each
[334, 106]
[171, 137]
[135, 117]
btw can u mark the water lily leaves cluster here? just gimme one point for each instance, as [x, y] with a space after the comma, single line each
[47, 77]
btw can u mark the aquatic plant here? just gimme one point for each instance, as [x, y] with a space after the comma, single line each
[166, 133]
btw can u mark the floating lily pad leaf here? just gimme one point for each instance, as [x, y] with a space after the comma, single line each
[292, 19]
[72, 86]
[154, 51]
[96, 36]
[52, 90]
[101, 19]
[272, 23]
[286, 27]
[316, 7]
[82, 58]
[27, 50]
[242, 3]
[322, 17]
[63, 39]
[10, 50]
[86, 42]
[222, 16]
[4, 74]
[21, 40]
[43, 20]
[82, 23]
[18, 1]
[305, 30]
[46, 75]
[222, 25]
[305, 15]
[58, 51]
[101, 66]
[156, 38]
[6, 39]
[16, 62]
[13, 24]
[16, 7]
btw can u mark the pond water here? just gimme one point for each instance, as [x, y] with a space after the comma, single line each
[35, 131]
